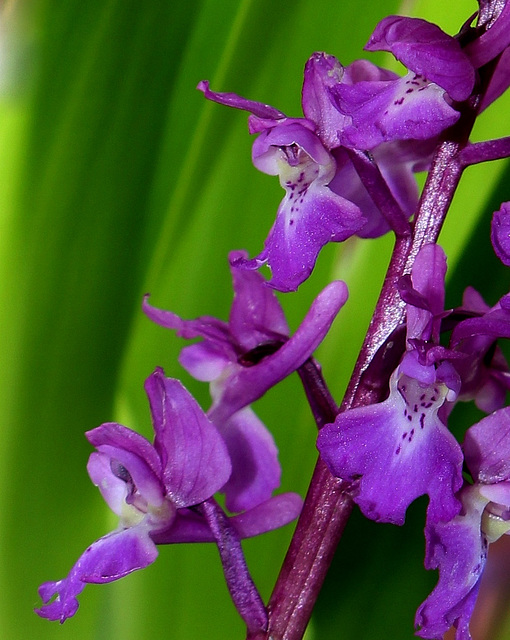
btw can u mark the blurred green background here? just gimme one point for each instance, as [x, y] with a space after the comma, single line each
[117, 178]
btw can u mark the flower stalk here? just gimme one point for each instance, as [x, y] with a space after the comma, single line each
[328, 504]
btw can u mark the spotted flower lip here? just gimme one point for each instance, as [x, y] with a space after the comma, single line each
[399, 449]
[152, 488]
[459, 550]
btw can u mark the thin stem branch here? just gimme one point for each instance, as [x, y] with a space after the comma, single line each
[378, 190]
[239, 582]
[485, 151]
[324, 408]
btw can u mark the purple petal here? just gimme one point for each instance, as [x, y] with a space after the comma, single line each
[397, 450]
[458, 549]
[206, 327]
[491, 43]
[360, 70]
[272, 514]
[483, 370]
[204, 360]
[255, 467]
[428, 277]
[116, 436]
[194, 457]
[187, 526]
[487, 448]
[494, 324]
[425, 49]
[233, 100]
[109, 558]
[500, 233]
[403, 109]
[247, 384]
[499, 82]
[472, 300]
[127, 466]
[256, 315]
[113, 489]
[322, 72]
[499, 494]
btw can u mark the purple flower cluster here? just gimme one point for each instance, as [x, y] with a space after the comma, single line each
[401, 448]
[394, 119]
[347, 168]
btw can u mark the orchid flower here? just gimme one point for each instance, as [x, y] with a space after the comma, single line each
[399, 449]
[459, 548]
[157, 491]
[242, 359]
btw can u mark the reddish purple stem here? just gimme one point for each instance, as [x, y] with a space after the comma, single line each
[328, 504]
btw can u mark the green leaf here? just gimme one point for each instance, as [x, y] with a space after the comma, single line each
[118, 178]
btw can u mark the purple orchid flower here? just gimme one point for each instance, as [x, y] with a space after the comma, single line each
[416, 106]
[459, 548]
[399, 449]
[157, 491]
[311, 214]
[244, 358]
[325, 199]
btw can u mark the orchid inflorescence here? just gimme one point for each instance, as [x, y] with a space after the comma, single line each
[348, 169]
